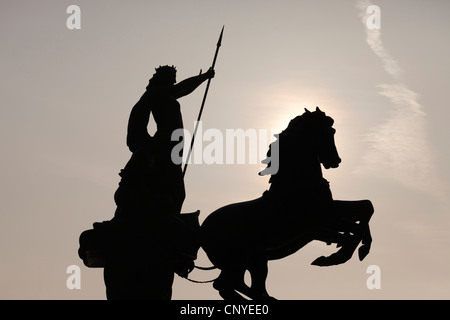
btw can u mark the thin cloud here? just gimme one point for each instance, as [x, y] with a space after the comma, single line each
[373, 39]
[399, 147]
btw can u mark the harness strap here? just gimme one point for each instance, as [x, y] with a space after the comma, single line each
[202, 268]
[206, 268]
[196, 281]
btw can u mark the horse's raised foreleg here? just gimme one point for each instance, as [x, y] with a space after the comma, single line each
[355, 211]
[365, 213]
[363, 251]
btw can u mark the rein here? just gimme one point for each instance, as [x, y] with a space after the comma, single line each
[206, 268]
[202, 268]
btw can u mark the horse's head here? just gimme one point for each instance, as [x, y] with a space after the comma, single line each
[309, 136]
[322, 137]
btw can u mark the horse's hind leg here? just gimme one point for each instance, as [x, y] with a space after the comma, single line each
[231, 281]
[258, 271]
[228, 281]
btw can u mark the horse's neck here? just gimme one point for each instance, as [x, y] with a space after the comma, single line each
[310, 170]
[295, 175]
[301, 168]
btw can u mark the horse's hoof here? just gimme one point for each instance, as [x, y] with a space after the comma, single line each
[336, 258]
[363, 251]
[230, 294]
[262, 296]
[321, 262]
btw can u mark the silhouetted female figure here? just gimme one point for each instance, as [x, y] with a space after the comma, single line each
[150, 195]
[151, 166]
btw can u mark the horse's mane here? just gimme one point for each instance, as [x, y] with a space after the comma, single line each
[290, 135]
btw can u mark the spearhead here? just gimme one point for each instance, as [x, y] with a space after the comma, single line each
[219, 43]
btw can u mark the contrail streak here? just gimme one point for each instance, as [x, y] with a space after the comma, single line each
[399, 147]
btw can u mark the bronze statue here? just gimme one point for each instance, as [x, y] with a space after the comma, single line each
[147, 240]
[297, 208]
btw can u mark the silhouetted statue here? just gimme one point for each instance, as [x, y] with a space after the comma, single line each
[151, 163]
[147, 240]
[297, 208]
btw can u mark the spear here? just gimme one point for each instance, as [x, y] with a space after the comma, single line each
[219, 43]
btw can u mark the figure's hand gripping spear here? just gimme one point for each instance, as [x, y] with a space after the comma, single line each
[219, 43]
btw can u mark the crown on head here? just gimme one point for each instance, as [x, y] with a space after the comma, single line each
[166, 69]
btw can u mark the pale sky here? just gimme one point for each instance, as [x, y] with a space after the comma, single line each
[66, 97]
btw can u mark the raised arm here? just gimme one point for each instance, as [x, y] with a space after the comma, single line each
[185, 87]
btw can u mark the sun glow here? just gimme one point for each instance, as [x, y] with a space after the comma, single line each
[291, 103]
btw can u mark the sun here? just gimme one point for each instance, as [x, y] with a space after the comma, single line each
[290, 105]
[283, 102]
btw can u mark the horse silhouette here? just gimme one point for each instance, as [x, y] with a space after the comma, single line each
[297, 209]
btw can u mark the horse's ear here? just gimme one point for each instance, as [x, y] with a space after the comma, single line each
[307, 111]
[317, 109]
